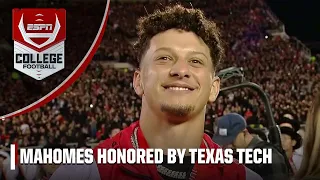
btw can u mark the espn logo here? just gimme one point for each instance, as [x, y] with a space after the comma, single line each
[39, 36]
[37, 27]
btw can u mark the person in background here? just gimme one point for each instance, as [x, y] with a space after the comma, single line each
[114, 130]
[232, 133]
[291, 139]
[82, 142]
[25, 171]
[310, 166]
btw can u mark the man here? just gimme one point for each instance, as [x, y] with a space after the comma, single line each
[232, 133]
[179, 50]
[291, 139]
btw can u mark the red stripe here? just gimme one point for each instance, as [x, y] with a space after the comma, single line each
[72, 77]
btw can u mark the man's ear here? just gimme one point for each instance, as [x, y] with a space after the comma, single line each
[293, 142]
[215, 88]
[137, 83]
[245, 132]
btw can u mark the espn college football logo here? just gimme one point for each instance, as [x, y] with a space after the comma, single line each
[39, 36]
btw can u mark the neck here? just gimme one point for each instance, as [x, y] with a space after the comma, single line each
[160, 133]
[289, 153]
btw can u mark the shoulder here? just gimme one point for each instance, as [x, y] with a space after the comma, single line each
[259, 143]
[242, 171]
[266, 145]
[277, 156]
[278, 163]
[251, 175]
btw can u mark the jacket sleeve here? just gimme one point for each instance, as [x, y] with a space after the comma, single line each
[77, 172]
[278, 170]
[279, 167]
[250, 175]
[240, 172]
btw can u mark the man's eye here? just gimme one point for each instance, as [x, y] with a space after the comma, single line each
[195, 61]
[165, 58]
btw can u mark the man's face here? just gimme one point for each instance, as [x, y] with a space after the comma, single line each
[287, 142]
[176, 74]
[239, 142]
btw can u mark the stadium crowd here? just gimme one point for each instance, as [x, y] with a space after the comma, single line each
[102, 100]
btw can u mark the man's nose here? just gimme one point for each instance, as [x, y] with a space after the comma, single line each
[180, 69]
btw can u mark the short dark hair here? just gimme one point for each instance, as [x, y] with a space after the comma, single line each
[113, 126]
[181, 18]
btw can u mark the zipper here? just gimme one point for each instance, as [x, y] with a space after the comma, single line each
[133, 174]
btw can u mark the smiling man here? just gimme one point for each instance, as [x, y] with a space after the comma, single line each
[179, 52]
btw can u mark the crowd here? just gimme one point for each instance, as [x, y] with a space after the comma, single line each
[102, 100]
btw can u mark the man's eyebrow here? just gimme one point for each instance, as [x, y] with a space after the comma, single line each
[201, 53]
[164, 49]
[172, 51]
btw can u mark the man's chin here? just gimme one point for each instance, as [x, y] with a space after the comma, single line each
[178, 110]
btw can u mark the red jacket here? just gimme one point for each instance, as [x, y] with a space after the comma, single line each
[125, 140]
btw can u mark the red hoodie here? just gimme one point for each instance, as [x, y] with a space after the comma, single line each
[124, 140]
[131, 137]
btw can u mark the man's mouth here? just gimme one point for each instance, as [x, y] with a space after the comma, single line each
[179, 87]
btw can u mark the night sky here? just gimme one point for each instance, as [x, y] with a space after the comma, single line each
[301, 19]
